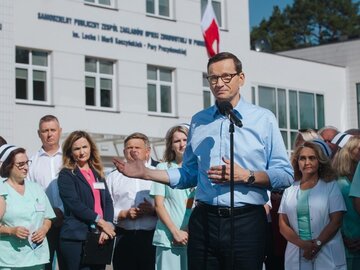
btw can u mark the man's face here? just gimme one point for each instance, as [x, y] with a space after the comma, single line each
[328, 135]
[49, 133]
[221, 90]
[138, 148]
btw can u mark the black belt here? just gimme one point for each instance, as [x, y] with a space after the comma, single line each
[224, 211]
[122, 231]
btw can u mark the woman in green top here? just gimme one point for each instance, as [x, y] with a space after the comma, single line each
[344, 163]
[173, 207]
[26, 220]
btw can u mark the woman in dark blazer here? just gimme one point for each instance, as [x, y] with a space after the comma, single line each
[87, 202]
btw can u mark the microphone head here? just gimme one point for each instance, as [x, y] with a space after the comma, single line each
[224, 107]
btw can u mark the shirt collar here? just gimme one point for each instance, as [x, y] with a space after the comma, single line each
[239, 109]
[148, 163]
[42, 152]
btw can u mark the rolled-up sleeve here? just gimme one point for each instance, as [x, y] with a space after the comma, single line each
[279, 169]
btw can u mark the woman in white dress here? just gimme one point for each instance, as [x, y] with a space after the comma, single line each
[311, 212]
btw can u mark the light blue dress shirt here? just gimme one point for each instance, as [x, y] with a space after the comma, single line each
[258, 146]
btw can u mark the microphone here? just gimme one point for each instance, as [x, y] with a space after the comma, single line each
[225, 108]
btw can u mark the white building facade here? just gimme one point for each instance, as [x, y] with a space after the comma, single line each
[346, 54]
[113, 67]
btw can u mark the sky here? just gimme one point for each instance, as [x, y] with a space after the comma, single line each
[260, 9]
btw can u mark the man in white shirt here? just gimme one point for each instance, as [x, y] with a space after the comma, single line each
[44, 170]
[134, 212]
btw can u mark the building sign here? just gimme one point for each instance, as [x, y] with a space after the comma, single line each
[124, 35]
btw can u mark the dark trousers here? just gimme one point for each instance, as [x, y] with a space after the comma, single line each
[53, 237]
[134, 250]
[72, 252]
[209, 246]
[271, 261]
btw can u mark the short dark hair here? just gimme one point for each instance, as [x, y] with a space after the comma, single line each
[48, 118]
[138, 135]
[223, 56]
[9, 162]
[2, 141]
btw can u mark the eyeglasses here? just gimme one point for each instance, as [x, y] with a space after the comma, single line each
[226, 78]
[21, 165]
[310, 158]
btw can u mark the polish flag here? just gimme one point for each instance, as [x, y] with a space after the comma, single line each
[210, 30]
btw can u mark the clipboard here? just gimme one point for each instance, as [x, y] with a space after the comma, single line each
[94, 253]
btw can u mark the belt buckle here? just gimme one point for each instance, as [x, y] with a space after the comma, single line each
[224, 211]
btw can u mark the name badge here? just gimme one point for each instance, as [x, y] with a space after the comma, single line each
[99, 185]
[39, 207]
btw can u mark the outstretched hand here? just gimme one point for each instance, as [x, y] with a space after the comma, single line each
[131, 168]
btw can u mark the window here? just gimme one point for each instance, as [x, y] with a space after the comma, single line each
[294, 110]
[208, 98]
[105, 3]
[32, 76]
[160, 90]
[99, 83]
[161, 8]
[218, 6]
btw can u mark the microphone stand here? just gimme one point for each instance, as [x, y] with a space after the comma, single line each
[232, 187]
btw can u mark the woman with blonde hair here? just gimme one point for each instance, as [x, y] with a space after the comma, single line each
[173, 207]
[87, 202]
[344, 163]
[311, 212]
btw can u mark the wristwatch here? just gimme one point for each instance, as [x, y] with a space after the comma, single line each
[251, 178]
[318, 243]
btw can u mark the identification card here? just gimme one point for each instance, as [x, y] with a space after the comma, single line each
[99, 185]
[39, 207]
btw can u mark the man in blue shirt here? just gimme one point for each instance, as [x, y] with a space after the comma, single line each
[261, 163]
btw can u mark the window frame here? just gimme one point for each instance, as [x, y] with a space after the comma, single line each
[290, 130]
[96, 3]
[156, 10]
[158, 83]
[222, 22]
[30, 67]
[206, 88]
[98, 76]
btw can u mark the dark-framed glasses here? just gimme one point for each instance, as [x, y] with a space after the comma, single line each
[21, 165]
[226, 78]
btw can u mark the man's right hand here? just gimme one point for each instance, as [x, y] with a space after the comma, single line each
[134, 169]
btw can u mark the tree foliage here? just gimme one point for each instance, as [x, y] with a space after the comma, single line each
[308, 23]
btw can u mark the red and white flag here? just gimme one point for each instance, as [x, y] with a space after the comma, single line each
[210, 30]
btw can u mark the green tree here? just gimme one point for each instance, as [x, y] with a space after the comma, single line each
[308, 23]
